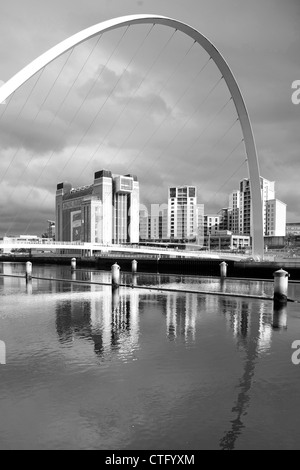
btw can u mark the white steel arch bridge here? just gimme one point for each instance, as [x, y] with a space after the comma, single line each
[41, 62]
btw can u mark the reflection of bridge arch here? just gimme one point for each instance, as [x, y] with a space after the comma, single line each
[25, 74]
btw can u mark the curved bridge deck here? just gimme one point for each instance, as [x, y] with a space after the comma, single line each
[90, 249]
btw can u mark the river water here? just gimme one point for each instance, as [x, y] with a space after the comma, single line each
[139, 369]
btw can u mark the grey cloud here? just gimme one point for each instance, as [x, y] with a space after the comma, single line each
[260, 40]
[35, 137]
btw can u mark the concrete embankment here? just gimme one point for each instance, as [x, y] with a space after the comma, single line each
[199, 267]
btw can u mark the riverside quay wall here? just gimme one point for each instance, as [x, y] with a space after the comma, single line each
[198, 267]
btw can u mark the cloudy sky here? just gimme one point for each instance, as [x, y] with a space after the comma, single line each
[146, 100]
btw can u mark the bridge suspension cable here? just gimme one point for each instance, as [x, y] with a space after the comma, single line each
[145, 148]
[133, 94]
[174, 105]
[75, 80]
[5, 106]
[69, 125]
[223, 135]
[39, 109]
[229, 178]
[185, 124]
[100, 109]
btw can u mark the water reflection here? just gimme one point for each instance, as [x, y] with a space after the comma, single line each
[11, 269]
[181, 312]
[252, 324]
[228, 442]
[225, 285]
[29, 288]
[108, 318]
[134, 280]
[280, 317]
[113, 325]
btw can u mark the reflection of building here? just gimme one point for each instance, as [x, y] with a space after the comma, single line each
[181, 313]
[250, 321]
[110, 320]
[106, 212]
[125, 322]
[265, 333]
[10, 270]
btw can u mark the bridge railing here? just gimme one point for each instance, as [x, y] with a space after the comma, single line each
[93, 246]
[39, 242]
[133, 249]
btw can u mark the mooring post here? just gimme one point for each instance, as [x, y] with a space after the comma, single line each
[73, 264]
[223, 269]
[134, 266]
[281, 285]
[115, 275]
[28, 271]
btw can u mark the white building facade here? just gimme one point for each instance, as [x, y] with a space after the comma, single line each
[234, 212]
[275, 223]
[185, 215]
[105, 212]
[276, 218]
[154, 223]
[211, 223]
